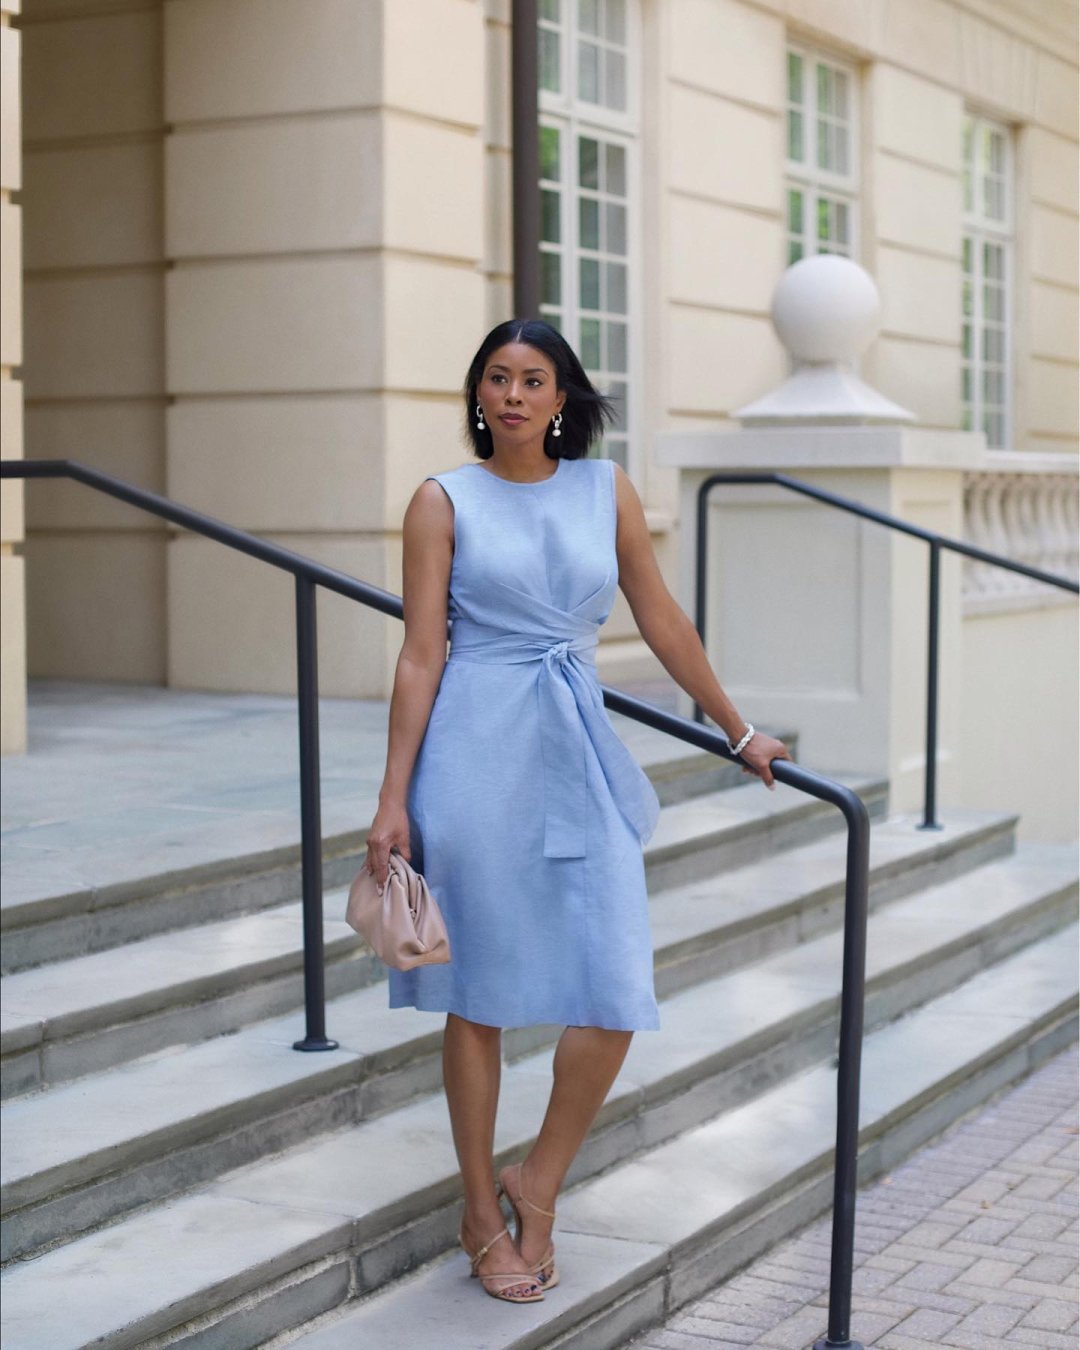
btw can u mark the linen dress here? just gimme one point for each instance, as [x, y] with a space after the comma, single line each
[527, 813]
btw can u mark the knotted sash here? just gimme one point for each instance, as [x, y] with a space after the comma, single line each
[571, 707]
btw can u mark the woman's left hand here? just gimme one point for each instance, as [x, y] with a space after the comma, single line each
[757, 754]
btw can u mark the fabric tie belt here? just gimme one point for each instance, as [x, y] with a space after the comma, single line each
[571, 708]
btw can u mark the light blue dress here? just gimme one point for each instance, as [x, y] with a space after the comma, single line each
[527, 812]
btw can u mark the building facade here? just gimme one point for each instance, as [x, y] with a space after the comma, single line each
[250, 246]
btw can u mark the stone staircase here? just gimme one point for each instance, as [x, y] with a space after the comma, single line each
[175, 1173]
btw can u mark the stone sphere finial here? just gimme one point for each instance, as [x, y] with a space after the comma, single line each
[826, 308]
[825, 311]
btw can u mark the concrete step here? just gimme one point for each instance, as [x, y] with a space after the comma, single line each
[716, 831]
[703, 928]
[69, 1018]
[192, 1131]
[646, 1237]
[246, 863]
[385, 1206]
[76, 1155]
[64, 925]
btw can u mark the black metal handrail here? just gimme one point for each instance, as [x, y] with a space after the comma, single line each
[308, 575]
[936, 541]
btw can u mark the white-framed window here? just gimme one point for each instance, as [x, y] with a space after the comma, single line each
[822, 154]
[589, 196]
[986, 348]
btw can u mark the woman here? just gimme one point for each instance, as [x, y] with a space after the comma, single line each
[506, 784]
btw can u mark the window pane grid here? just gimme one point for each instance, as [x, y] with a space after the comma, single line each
[986, 258]
[820, 118]
[818, 222]
[550, 38]
[601, 53]
[585, 262]
[821, 157]
[586, 139]
[987, 175]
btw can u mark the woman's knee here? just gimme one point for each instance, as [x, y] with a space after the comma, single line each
[477, 1032]
[607, 1035]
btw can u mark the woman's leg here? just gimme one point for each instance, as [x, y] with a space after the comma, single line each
[471, 1070]
[587, 1062]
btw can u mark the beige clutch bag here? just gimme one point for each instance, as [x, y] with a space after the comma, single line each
[401, 922]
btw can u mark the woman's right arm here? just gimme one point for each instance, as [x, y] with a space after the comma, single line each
[427, 552]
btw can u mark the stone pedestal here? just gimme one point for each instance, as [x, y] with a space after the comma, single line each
[816, 618]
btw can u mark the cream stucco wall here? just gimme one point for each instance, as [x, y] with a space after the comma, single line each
[1019, 716]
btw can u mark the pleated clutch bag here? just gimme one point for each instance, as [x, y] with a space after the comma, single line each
[400, 921]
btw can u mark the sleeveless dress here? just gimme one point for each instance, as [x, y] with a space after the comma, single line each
[527, 812]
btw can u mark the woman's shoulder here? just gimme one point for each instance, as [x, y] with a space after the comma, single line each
[602, 471]
[451, 473]
[450, 480]
[595, 466]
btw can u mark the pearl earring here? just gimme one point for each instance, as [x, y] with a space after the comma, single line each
[480, 424]
[556, 424]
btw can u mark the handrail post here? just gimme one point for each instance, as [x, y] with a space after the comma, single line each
[307, 695]
[932, 637]
[701, 574]
[852, 1000]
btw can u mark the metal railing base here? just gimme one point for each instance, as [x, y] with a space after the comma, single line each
[826, 1344]
[930, 825]
[315, 1043]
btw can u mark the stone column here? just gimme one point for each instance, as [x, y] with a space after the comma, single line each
[324, 179]
[94, 361]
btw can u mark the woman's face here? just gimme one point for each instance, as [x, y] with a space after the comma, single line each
[518, 393]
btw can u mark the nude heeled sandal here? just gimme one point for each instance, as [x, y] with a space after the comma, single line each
[544, 1269]
[512, 1278]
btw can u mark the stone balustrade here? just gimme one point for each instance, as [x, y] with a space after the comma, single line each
[1022, 505]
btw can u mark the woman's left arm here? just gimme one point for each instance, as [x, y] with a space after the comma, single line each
[670, 634]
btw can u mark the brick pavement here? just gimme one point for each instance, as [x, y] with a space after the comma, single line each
[971, 1243]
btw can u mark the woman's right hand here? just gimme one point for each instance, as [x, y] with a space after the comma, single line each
[389, 830]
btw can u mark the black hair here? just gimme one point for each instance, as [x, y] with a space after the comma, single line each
[585, 410]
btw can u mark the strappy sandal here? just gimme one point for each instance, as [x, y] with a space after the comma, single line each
[544, 1269]
[511, 1278]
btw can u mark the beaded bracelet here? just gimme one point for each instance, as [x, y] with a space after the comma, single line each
[737, 749]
